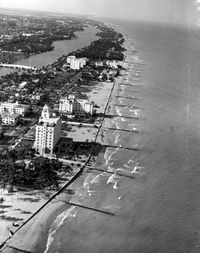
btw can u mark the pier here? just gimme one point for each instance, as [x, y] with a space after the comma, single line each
[125, 117]
[124, 84]
[121, 147]
[18, 249]
[123, 130]
[131, 91]
[86, 207]
[117, 173]
[126, 106]
[126, 97]
[127, 84]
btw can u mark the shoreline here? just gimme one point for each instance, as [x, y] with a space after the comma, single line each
[46, 217]
[30, 235]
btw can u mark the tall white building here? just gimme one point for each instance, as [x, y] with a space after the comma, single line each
[72, 105]
[76, 63]
[70, 58]
[48, 131]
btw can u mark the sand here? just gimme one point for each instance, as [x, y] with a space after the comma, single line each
[28, 236]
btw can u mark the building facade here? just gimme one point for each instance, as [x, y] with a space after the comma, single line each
[9, 118]
[15, 108]
[72, 105]
[48, 131]
[76, 63]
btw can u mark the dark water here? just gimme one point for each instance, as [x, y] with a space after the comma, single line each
[159, 210]
[167, 208]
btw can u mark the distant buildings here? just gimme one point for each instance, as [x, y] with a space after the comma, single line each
[9, 118]
[112, 64]
[36, 97]
[11, 112]
[48, 131]
[13, 108]
[76, 63]
[107, 63]
[72, 105]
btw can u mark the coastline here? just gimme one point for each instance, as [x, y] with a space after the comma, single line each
[38, 229]
[28, 237]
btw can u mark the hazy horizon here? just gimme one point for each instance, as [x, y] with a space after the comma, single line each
[161, 11]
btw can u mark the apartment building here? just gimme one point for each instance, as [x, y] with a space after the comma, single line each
[13, 108]
[9, 118]
[72, 105]
[76, 63]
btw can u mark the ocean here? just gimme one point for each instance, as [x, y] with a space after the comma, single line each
[157, 211]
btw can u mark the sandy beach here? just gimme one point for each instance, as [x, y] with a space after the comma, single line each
[28, 237]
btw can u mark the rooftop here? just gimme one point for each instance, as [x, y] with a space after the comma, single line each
[8, 115]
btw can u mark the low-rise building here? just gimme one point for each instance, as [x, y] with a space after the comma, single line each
[13, 108]
[48, 131]
[36, 97]
[112, 64]
[107, 63]
[72, 105]
[9, 118]
[70, 58]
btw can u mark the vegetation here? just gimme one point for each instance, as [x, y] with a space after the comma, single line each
[108, 47]
[35, 172]
[22, 36]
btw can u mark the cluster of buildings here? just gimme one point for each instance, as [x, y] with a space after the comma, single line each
[48, 129]
[76, 63]
[11, 112]
[107, 63]
[72, 106]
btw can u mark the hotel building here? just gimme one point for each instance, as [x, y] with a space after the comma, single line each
[72, 105]
[48, 131]
[76, 63]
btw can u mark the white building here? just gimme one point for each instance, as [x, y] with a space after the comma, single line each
[72, 105]
[9, 118]
[36, 97]
[82, 61]
[70, 58]
[76, 63]
[22, 85]
[112, 64]
[109, 63]
[48, 131]
[13, 108]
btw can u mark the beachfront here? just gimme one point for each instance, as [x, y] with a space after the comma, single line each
[104, 94]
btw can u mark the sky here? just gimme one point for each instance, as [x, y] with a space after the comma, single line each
[148, 10]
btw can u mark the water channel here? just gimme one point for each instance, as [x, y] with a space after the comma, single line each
[61, 47]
